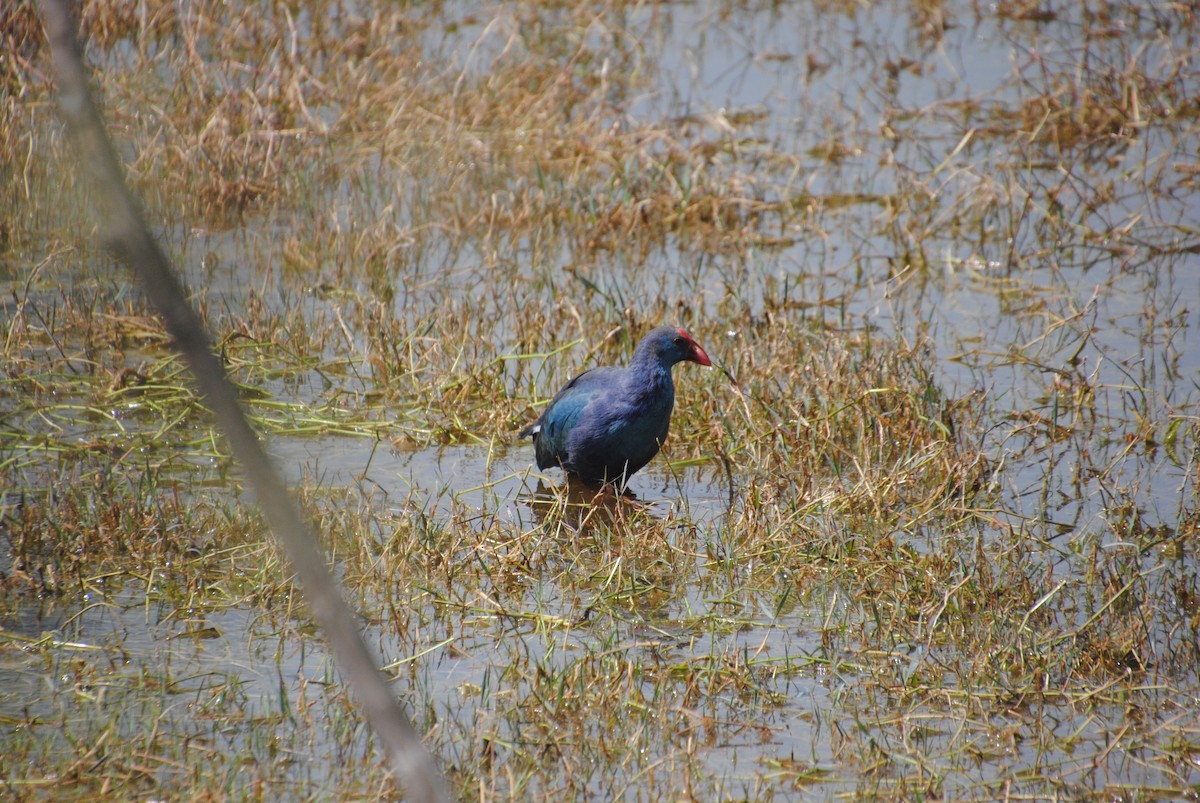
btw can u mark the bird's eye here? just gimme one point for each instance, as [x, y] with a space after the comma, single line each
[679, 341]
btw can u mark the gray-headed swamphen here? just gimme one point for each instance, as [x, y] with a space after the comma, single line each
[607, 423]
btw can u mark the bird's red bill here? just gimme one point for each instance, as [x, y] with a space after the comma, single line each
[698, 354]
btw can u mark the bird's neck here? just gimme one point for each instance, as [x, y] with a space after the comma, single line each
[650, 380]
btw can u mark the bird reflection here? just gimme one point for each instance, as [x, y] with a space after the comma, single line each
[583, 507]
[613, 543]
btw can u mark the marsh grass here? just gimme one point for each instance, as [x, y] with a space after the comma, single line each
[894, 557]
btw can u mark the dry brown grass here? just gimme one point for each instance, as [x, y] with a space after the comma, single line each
[939, 540]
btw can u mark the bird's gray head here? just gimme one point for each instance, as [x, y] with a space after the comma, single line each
[670, 344]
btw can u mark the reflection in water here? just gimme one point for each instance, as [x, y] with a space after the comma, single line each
[639, 561]
[580, 505]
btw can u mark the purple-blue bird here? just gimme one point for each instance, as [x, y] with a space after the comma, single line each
[608, 422]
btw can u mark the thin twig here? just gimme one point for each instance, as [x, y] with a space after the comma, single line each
[123, 227]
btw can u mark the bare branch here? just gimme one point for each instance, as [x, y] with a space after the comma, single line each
[126, 235]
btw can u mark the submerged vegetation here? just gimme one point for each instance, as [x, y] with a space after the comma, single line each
[936, 539]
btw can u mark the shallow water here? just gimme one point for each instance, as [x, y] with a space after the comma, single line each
[1117, 317]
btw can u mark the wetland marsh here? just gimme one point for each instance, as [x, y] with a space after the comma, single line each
[938, 541]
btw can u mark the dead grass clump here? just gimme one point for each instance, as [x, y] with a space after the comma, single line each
[90, 374]
[223, 120]
[593, 692]
[21, 39]
[536, 140]
[80, 532]
[105, 24]
[853, 421]
[1100, 89]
